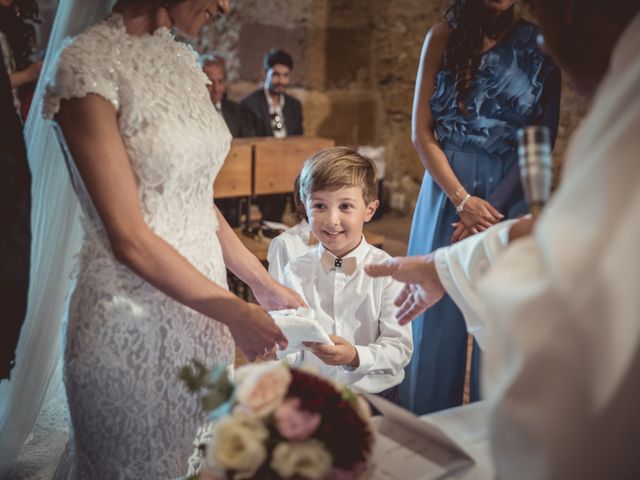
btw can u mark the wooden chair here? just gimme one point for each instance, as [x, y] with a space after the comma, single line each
[278, 161]
[234, 180]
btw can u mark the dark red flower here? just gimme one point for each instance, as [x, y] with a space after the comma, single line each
[344, 433]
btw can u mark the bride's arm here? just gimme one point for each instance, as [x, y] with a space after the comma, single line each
[89, 126]
[271, 294]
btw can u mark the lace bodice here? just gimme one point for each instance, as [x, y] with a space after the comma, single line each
[126, 340]
[175, 140]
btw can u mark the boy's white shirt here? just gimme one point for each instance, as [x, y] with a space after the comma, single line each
[289, 244]
[358, 308]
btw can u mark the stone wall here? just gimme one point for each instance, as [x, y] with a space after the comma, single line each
[356, 62]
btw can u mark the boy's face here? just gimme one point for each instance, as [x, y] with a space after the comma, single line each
[336, 218]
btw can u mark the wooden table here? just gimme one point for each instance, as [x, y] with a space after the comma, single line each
[264, 165]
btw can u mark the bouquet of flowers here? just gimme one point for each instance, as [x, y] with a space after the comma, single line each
[273, 422]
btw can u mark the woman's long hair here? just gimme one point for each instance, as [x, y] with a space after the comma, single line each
[467, 20]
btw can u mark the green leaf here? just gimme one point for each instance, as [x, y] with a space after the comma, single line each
[349, 396]
[216, 396]
[214, 386]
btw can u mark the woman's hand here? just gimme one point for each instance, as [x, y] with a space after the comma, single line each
[479, 214]
[274, 296]
[255, 332]
[28, 75]
[461, 231]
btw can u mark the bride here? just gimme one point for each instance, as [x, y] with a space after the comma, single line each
[143, 144]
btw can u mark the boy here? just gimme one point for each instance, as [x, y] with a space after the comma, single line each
[338, 188]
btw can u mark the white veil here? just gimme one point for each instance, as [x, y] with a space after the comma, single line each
[36, 379]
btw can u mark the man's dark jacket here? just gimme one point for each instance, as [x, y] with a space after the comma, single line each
[231, 113]
[256, 121]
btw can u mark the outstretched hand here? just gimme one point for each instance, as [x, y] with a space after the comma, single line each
[422, 287]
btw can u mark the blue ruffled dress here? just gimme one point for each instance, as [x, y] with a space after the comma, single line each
[516, 85]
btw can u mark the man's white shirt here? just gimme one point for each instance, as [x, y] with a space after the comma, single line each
[277, 109]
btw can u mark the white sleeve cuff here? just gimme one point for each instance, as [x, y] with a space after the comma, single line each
[366, 359]
[460, 267]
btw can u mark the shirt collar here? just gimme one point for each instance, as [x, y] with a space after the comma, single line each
[359, 252]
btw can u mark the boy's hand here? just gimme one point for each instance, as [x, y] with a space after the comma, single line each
[342, 353]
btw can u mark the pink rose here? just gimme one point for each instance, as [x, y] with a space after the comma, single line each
[262, 387]
[293, 423]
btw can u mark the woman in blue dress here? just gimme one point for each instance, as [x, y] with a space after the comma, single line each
[481, 77]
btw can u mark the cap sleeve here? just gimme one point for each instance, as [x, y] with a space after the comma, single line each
[84, 66]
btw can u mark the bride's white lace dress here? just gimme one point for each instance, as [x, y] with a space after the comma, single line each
[126, 340]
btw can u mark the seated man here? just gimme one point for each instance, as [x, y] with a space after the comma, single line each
[214, 67]
[269, 111]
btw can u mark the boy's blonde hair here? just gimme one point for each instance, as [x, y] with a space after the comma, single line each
[338, 167]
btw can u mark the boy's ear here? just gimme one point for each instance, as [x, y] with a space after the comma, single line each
[371, 209]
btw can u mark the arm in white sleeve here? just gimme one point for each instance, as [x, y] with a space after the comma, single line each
[562, 366]
[460, 267]
[277, 258]
[391, 351]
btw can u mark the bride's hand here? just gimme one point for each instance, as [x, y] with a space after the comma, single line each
[255, 332]
[275, 296]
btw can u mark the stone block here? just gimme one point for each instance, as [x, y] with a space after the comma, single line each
[348, 57]
[256, 38]
[349, 117]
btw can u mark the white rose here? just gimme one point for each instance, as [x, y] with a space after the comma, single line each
[238, 444]
[308, 459]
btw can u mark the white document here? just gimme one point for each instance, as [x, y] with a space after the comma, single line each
[299, 326]
[408, 448]
[274, 225]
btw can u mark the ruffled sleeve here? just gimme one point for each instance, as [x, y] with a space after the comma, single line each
[85, 65]
[505, 96]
